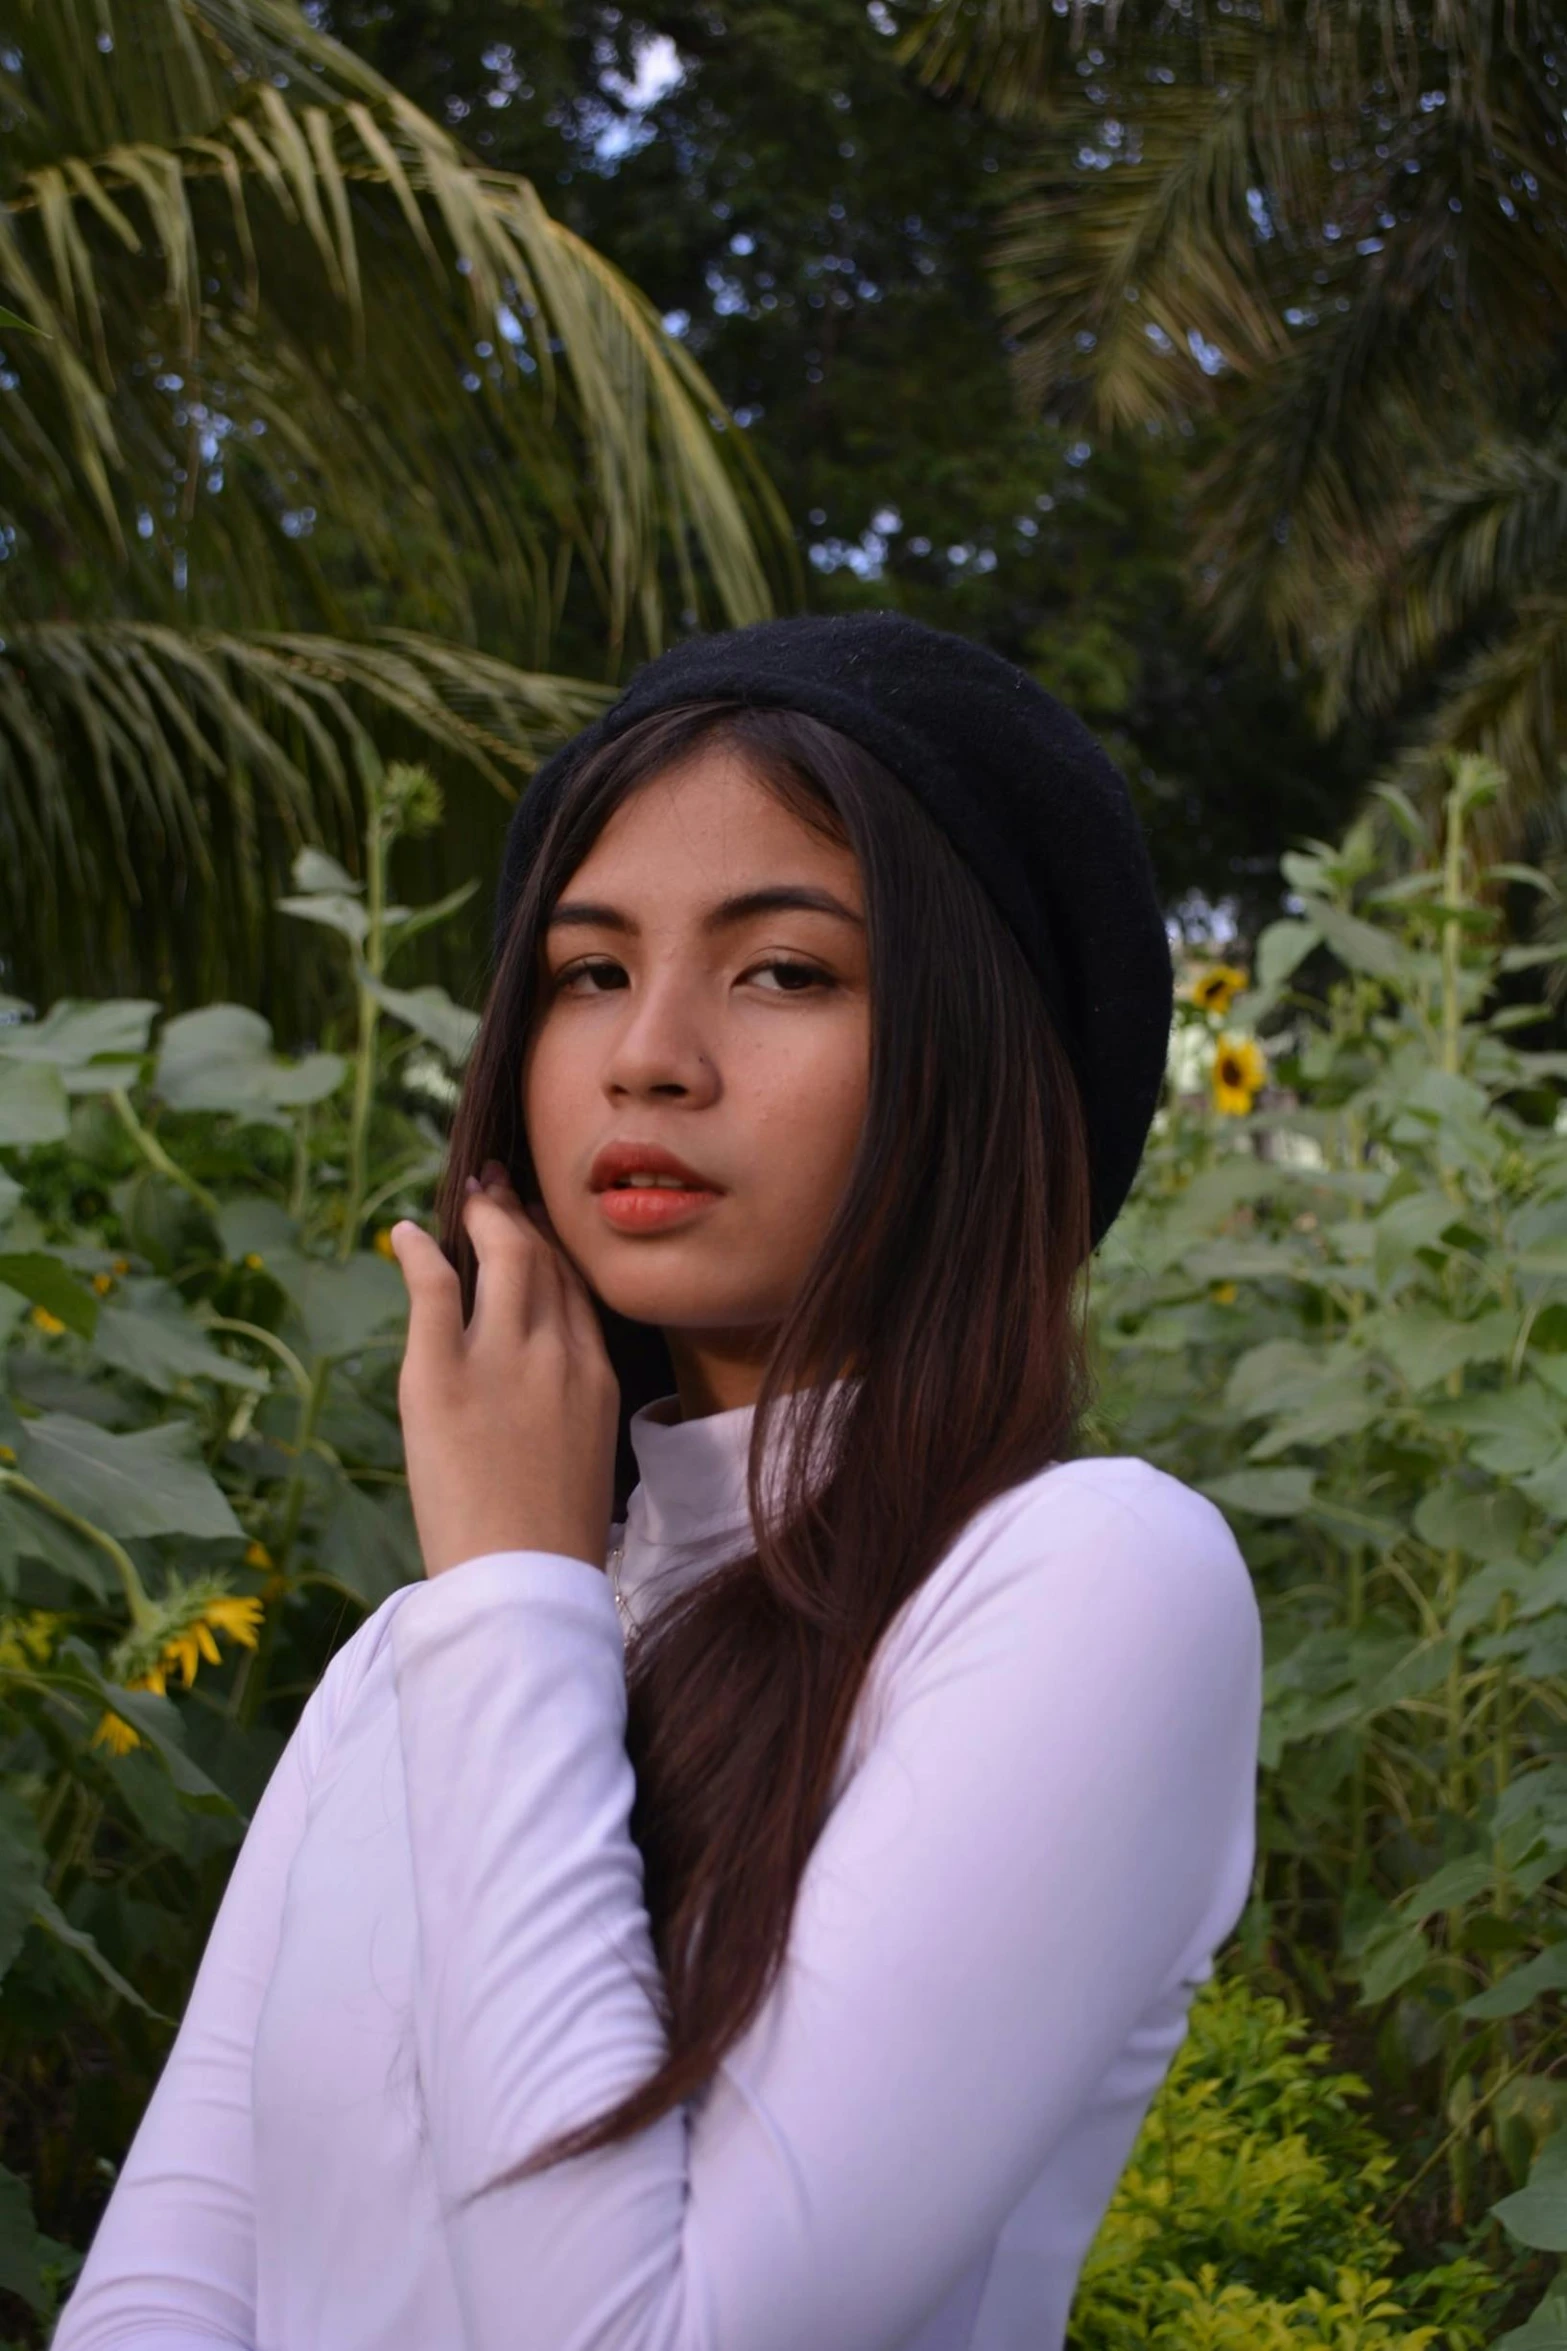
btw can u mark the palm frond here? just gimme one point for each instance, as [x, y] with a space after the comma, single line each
[1509, 701]
[140, 764]
[586, 373]
[1014, 56]
[1485, 537]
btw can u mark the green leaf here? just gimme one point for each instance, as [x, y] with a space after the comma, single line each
[1537, 2214]
[1450, 1887]
[314, 871]
[1511, 1431]
[1315, 1424]
[1545, 2329]
[369, 1547]
[432, 1013]
[1392, 1960]
[1359, 944]
[149, 1482]
[33, 1104]
[220, 1058]
[1545, 1584]
[342, 1305]
[1276, 1376]
[1486, 1526]
[1546, 1972]
[1251, 1261]
[412, 920]
[75, 1032]
[27, 1531]
[45, 1282]
[153, 1337]
[23, 1868]
[19, 2238]
[1424, 1346]
[48, 1915]
[75, 1668]
[346, 916]
[1416, 1222]
[1265, 1493]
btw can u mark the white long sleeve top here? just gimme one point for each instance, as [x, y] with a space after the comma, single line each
[434, 1953]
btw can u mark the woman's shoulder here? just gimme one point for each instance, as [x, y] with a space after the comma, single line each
[1121, 1534]
[364, 1655]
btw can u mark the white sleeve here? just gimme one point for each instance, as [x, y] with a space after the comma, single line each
[1054, 1822]
[172, 2266]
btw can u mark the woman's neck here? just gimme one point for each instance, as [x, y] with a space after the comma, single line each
[717, 1370]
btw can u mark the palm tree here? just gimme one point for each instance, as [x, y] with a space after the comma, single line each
[1341, 235]
[316, 432]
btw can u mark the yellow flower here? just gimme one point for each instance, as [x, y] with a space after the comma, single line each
[103, 1283]
[1223, 1293]
[1215, 988]
[120, 1265]
[47, 1321]
[257, 1555]
[237, 1615]
[255, 1263]
[115, 1733]
[181, 1632]
[7, 1452]
[1240, 1070]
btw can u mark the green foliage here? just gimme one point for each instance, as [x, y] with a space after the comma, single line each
[321, 423]
[1344, 1316]
[1341, 228]
[201, 1481]
[1247, 2214]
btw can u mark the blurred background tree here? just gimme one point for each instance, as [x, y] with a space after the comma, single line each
[817, 229]
[318, 429]
[1339, 232]
[1205, 364]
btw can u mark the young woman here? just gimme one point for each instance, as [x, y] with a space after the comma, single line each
[754, 1912]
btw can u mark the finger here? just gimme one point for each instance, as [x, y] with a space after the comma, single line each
[434, 1295]
[516, 1287]
[581, 1313]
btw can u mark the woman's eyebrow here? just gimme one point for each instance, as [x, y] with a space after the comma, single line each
[778, 898]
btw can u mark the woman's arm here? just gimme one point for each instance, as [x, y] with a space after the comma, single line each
[1053, 1825]
[173, 2263]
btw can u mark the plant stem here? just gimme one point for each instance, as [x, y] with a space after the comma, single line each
[153, 1152]
[250, 1681]
[367, 969]
[141, 1609]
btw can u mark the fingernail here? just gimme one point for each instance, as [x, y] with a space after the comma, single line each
[471, 1184]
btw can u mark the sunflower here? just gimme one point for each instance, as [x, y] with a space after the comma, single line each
[1240, 1071]
[182, 1631]
[1215, 988]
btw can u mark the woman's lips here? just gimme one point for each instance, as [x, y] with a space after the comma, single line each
[652, 1208]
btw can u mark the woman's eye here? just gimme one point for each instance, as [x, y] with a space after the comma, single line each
[602, 974]
[793, 979]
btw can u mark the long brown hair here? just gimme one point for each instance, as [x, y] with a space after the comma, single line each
[948, 1284]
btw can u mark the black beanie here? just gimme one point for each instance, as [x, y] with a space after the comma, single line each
[1017, 784]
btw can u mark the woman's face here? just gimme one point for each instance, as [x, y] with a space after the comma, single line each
[704, 1015]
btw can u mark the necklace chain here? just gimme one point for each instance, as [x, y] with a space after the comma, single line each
[617, 1552]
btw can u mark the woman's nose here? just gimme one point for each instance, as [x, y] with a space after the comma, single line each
[661, 1047]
